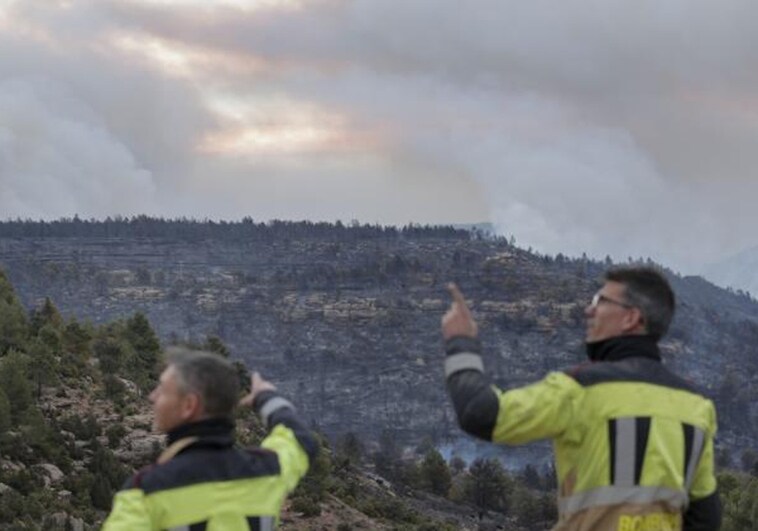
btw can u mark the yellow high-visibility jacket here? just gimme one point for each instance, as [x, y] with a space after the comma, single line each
[633, 442]
[203, 482]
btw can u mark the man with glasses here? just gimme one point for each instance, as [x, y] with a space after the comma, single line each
[633, 442]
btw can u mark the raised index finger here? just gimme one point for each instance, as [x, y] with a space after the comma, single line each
[456, 294]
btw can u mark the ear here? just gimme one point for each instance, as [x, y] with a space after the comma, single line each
[634, 322]
[191, 407]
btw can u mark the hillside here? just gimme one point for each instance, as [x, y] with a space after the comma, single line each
[346, 319]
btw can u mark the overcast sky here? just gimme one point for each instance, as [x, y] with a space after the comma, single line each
[627, 128]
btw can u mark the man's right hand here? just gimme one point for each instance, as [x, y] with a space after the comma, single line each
[458, 320]
[257, 386]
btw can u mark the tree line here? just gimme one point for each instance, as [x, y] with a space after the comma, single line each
[247, 228]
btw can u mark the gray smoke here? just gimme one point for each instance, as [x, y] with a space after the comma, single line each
[614, 128]
[58, 158]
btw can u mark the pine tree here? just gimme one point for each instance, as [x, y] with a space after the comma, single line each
[104, 464]
[47, 314]
[144, 341]
[13, 325]
[457, 465]
[487, 485]
[100, 493]
[51, 337]
[111, 353]
[15, 383]
[387, 459]
[351, 449]
[5, 412]
[435, 474]
[42, 364]
[76, 341]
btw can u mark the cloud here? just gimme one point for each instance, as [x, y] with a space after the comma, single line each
[619, 128]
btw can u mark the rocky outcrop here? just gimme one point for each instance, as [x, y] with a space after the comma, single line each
[49, 473]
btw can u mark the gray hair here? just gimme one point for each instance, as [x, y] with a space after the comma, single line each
[647, 289]
[210, 376]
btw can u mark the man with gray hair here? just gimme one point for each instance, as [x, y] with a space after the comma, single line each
[633, 442]
[202, 480]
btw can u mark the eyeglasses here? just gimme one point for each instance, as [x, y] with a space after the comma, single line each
[599, 297]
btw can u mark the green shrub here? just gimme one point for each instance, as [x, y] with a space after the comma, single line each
[11, 505]
[115, 433]
[5, 412]
[435, 474]
[739, 497]
[114, 388]
[83, 429]
[24, 481]
[101, 493]
[14, 381]
[315, 483]
[390, 509]
[306, 505]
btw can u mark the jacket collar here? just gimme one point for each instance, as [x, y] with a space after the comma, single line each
[218, 432]
[622, 347]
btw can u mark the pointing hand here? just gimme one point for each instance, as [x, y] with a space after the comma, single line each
[458, 320]
[257, 386]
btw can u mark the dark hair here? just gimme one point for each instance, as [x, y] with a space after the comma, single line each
[208, 375]
[648, 290]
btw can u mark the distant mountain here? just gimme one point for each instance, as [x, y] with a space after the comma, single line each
[738, 272]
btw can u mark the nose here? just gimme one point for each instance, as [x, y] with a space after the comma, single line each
[153, 395]
[589, 310]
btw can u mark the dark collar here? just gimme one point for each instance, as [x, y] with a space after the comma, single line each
[622, 347]
[210, 432]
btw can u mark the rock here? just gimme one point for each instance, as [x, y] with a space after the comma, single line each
[11, 467]
[50, 473]
[131, 387]
[59, 520]
[139, 444]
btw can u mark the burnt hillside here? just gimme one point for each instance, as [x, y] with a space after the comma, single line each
[346, 318]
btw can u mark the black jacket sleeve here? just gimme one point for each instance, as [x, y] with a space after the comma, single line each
[703, 514]
[276, 410]
[475, 402]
